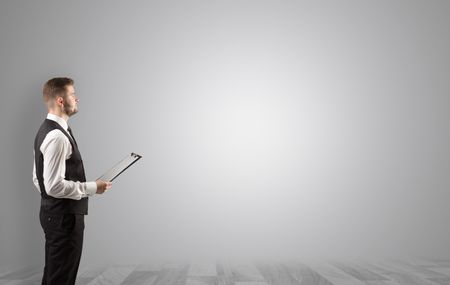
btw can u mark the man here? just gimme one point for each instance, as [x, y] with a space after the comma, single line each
[58, 174]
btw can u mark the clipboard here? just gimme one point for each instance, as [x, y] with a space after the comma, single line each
[120, 167]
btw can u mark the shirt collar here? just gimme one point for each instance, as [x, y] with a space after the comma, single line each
[58, 119]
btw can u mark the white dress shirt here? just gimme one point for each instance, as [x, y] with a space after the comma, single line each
[56, 149]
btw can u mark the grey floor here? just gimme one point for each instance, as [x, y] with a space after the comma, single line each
[407, 272]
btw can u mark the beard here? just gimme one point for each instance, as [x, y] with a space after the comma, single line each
[69, 109]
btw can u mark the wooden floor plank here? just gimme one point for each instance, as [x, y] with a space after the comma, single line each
[113, 275]
[398, 275]
[386, 282]
[359, 272]
[250, 283]
[422, 262]
[409, 279]
[224, 273]
[141, 278]
[245, 271]
[22, 273]
[87, 275]
[276, 274]
[202, 269]
[305, 275]
[443, 270]
[172, 274]
[440, 281]
[8, 269]
[403, 266]
[381, 269]
[201, 280]
[202, 272]
[334, 275]
[34, 279]
[441, 262]
[84, 280]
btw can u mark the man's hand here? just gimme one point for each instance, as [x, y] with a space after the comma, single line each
[102, 186]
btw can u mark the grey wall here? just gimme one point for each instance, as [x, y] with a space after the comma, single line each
[268, 128]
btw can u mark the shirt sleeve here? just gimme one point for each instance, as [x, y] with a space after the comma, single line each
[35, 180]
[56, 149]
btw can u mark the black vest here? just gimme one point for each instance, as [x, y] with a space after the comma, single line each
[74, 172]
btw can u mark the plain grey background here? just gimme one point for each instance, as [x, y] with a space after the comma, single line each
[267, 128]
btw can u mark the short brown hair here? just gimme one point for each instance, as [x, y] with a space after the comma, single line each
[56, 87]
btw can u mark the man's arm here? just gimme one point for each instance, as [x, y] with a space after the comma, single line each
[35, 180]
[56, 149]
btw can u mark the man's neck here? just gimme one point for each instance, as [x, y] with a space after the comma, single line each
[59, 114]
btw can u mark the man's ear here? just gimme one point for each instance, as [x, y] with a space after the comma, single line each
[59, 100]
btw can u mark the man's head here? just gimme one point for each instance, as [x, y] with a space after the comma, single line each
[59, 96]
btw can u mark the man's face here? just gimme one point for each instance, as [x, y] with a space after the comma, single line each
[71, 101]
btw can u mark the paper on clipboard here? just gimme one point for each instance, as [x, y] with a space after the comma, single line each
[120, 167]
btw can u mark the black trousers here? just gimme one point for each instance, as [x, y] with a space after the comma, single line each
[63, 247]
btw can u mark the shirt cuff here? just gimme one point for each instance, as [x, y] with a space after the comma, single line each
[91, 188]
